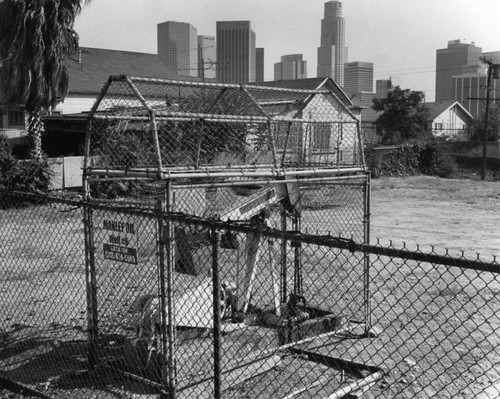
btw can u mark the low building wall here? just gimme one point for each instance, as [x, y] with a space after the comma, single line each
[66, 172]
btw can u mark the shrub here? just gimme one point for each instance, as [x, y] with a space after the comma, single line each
[7, 160]
[29, 175]
[424, 157]
[22, 175]
[434, 160]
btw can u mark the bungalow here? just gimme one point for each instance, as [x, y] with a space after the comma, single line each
[449, 120]
[315, 84]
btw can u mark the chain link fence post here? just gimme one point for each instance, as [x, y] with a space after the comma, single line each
[215, 236]
[91, 286]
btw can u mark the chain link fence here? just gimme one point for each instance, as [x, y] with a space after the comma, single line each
[149, 127]
[114, 300]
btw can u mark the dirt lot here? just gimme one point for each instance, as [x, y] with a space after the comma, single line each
[454, 214]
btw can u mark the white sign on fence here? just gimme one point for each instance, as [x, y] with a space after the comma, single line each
[121, 240]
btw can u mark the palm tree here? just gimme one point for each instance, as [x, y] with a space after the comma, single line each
[36, 36]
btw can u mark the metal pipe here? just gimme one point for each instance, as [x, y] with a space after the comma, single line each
[273, 182]
[91, 287]
[283, 256]
[162, 294]
[168, 174]
[217, 314]
[215, 85]
[486, 113]
[171, 324]
[366, 223]
[326, 240]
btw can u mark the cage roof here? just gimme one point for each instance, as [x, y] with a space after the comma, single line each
[139, 96]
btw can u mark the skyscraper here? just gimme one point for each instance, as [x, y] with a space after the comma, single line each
[259, 64]
[382, 87]
[469, 88]
[235, 52]
[358, 82]
[206, 57]
[332, 53]
[291, 67]
[458, 58]
[178, 47]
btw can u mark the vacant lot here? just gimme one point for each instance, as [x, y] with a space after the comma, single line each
[425, 321]
[454, 214]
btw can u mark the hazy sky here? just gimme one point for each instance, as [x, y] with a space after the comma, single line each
[399, 36]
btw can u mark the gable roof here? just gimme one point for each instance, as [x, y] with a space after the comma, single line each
[309, 84]
[437, 108]
[97, 65]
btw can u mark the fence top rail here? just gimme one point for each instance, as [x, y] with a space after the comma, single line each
[342, 243]
[260, 171]
[305, 238]
[255, 87]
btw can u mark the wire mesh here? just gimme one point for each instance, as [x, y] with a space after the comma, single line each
[291, 308]
[141, 123]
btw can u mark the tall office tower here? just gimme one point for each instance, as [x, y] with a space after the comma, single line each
[451, 61]
[382, 87]
[470, 90]
[332, 53]
[259, 64]
[206, 57]
[291, 67]
[235, 52]
[178, 47]
[358, 81]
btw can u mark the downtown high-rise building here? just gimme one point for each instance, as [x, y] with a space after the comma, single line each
[259, 64]
[207, 57]
[358, 81]
[178, 47]
[382, 87]
[470, 87]
[236, 58]
[332, 53]
[291, 67]
[460, 57]
[470, 90]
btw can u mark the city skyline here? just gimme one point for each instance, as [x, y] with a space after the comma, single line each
[400, 41]
[332, 51]
[235, 49]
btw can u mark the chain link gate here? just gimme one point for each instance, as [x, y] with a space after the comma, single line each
[289, 160]
[436, 314]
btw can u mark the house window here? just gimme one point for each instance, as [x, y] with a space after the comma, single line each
[438, 126]
[321, 136]
[16, 118]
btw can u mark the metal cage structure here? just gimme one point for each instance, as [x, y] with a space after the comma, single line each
[233, 167]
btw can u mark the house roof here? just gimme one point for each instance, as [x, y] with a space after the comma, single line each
[368, 115]
[96, 65]
[309, 84]
[437, 108]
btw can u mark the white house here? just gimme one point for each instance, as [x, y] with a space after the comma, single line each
[449, 120]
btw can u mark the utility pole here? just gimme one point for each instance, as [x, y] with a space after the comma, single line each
[492, 68]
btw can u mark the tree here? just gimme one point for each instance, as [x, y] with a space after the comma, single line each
[478, 126]
[36, 36]
[403, 115]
